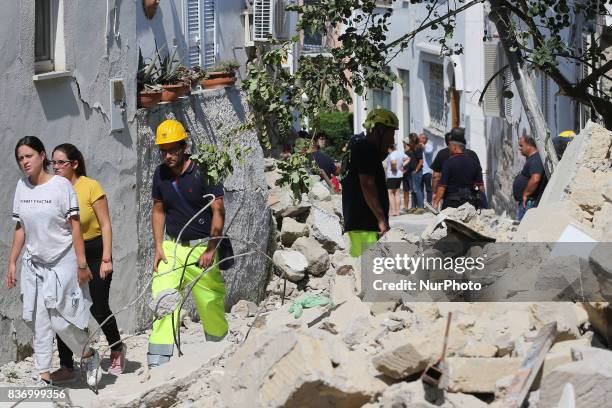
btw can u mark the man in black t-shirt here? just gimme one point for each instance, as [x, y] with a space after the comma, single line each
[444, 154]
[178, 190]
[529, 184]
[460, 179]
[365, 202]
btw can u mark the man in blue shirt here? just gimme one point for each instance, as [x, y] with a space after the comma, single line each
[529, 184]
[461, 177]
[178, 195]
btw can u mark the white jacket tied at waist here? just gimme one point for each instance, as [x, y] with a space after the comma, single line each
[60, 288]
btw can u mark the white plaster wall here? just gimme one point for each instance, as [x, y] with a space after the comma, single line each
[165, 29]
[75, 110]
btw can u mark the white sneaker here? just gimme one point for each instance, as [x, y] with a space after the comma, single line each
[92, 368]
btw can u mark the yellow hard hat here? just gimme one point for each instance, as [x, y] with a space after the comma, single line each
[170, 131]
[567, 133]
[381, 116]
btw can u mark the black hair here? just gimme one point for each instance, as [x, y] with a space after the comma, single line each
[303, 134]
[73, 154]
[530, 140]
[33, 143]
[447, 137]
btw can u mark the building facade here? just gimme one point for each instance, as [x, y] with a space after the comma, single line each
[435, 94]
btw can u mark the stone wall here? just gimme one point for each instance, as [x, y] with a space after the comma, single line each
[209, 115]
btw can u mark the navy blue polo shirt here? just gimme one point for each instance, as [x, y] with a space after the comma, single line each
[460, 170]
[179, 210]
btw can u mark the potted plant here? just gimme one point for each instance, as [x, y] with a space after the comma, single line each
[220, 75]
[171, 77]
[149, 93]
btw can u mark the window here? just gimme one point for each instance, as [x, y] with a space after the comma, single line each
[200, 32]
[313, 40]
[379, 98]
[43, 37]
[49, 48]
[435, 96]
[405, 78]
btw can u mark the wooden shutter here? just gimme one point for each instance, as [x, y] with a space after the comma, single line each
[209, 33]
[200, 32]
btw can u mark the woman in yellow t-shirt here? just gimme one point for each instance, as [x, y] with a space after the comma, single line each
[97, 233]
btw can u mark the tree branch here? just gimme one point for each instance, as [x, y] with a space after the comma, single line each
[423, 27]
[593, 76]
[484, 90]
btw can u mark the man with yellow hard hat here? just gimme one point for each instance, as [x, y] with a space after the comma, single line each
[178, 194]
[561, 141]
[365, 202]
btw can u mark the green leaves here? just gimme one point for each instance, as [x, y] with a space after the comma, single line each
[295, 171]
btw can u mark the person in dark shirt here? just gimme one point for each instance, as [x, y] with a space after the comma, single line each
[365, 202]
[461, 177]
[178, 195]
[529, 184]
[444, 154]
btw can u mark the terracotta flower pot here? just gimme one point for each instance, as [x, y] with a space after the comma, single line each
[171, 92]
[148, 99]
[217, 80]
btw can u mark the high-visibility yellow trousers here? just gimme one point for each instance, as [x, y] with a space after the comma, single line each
[361, 240]
[208, 295]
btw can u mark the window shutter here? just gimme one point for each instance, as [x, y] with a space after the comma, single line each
[491, 100]
[209, 24]
[262, 20]
[200, 32]
[192, 31]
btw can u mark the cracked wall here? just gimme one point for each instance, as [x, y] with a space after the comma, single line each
[100, 43]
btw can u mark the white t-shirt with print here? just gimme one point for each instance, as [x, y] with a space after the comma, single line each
[399, 157]
[44, 212]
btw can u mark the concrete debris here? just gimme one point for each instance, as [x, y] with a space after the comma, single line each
[319, 192]
[325, 228]
[591, 379]
[478, 375]
[292, 230]
[317, 257]
[283, 205]
[416, 395]
[291, 263]
[244, 309]
[401, 362]
[291, 368]
[343, 263]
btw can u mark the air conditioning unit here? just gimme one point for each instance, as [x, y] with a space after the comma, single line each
[270, 20]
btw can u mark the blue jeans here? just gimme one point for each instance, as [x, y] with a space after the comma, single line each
[426, 184]
[417, 190]
[523, 209]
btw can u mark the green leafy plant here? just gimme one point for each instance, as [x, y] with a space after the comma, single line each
[216, 164]
[225, 66]
[169, 72]
[295, 170]
[338, 126]
[147, 73]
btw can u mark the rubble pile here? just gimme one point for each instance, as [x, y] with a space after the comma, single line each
[351, 353]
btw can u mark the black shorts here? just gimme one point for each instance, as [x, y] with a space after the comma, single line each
[394, 183]
[406, 182]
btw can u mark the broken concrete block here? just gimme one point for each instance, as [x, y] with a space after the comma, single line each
[478, 375]
[343, 288]
[569, 318]
[319, 192]
[284, 204]
[348, 311]
[479, 349]
[416, 395]
[561, 353]
[291, 263]
[317, 257]
[601, 263]
[325, 227]
[600, 318]
[401, 362]
[271, 178]
[359, 330]
[343, 263]
[294, 368]
[244, 309]
[591, 379]
[394, 235]
[292, 230]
